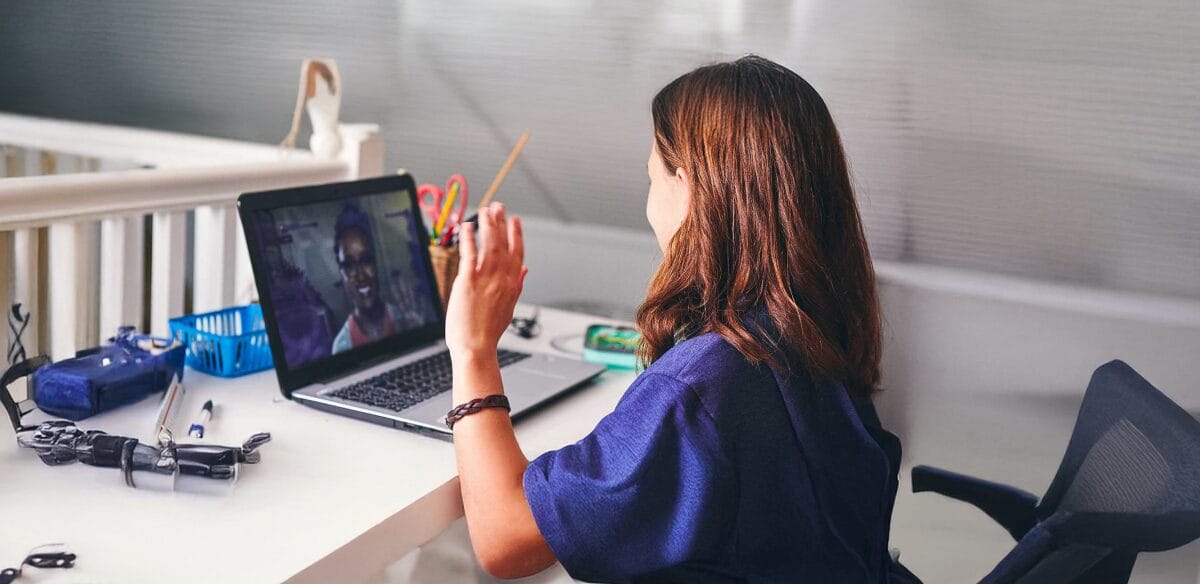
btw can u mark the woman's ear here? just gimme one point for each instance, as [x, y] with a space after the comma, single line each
[685, 189]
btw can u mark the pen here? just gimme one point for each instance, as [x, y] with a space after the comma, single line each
[197, 429]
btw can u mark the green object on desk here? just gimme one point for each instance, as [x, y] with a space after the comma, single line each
[613, 346]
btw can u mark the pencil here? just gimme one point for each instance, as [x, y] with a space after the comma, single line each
[441, 222]
[512, 157]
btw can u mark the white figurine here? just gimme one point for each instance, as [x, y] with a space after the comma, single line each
[321, 94]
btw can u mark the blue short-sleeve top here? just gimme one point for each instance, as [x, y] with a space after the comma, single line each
[714, 470]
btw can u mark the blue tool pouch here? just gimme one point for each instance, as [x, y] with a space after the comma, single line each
[106, 377]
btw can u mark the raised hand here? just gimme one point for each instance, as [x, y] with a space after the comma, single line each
[491, 274]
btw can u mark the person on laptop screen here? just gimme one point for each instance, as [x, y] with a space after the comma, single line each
[372, 318]
[344, 273]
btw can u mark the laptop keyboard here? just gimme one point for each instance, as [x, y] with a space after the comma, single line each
[403, 387]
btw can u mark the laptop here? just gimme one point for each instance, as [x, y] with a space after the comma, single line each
[352, 311]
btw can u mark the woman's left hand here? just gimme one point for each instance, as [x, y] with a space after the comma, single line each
[490, 277]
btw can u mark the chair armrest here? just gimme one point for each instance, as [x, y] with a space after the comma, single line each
[1013, 508]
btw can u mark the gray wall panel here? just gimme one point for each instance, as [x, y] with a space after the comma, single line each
[1054, 140]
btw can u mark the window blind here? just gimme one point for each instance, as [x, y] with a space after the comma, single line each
[1054, 140]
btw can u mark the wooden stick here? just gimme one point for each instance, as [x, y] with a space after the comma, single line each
[512, 157]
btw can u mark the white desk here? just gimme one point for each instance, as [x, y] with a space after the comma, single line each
[334, 499]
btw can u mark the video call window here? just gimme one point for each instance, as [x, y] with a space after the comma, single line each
[344, 273]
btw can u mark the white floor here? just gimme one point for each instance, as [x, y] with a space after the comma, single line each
[1016, 439]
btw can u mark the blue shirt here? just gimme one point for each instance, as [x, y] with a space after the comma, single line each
[713, 470]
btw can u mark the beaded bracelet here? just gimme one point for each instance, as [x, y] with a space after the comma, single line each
[475, 406]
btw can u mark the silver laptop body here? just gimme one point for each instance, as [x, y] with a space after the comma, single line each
[528, 383]
[291, 233]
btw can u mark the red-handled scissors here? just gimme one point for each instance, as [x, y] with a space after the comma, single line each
[445, 209]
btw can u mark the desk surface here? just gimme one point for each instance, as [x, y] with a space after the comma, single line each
[332, 497]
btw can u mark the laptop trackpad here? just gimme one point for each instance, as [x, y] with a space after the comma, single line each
[526, 384]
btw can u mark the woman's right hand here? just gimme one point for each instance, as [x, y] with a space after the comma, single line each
[491, 275]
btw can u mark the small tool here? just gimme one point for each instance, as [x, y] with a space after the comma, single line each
[40, 557]
[166, 408]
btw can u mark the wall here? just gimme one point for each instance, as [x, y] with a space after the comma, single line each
[1047, 141]
[946, 330]
[1052, 140]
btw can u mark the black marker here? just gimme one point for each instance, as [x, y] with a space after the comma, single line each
[457, 230]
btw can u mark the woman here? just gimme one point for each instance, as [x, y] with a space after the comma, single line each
[748, 449]
[354, 248]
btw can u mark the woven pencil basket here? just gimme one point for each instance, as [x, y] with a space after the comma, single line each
[445, 268]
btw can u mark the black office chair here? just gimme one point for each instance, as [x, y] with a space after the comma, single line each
[1129, 483]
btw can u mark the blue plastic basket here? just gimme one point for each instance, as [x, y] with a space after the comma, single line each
[227, 343]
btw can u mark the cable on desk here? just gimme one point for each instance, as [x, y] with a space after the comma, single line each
[36, 559]
[557, 342]
[527, 327]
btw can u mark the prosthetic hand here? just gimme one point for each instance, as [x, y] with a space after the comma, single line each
[61, 442]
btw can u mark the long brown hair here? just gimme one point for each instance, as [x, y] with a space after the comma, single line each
[772, 227]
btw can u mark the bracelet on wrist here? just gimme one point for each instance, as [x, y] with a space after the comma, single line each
[475, 406]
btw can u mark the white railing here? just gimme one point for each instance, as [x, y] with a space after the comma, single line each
[74, 203]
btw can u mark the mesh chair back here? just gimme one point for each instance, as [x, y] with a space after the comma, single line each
[1131, 474]
[1129, 482]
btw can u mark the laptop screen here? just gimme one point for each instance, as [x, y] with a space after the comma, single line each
[344, 273]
